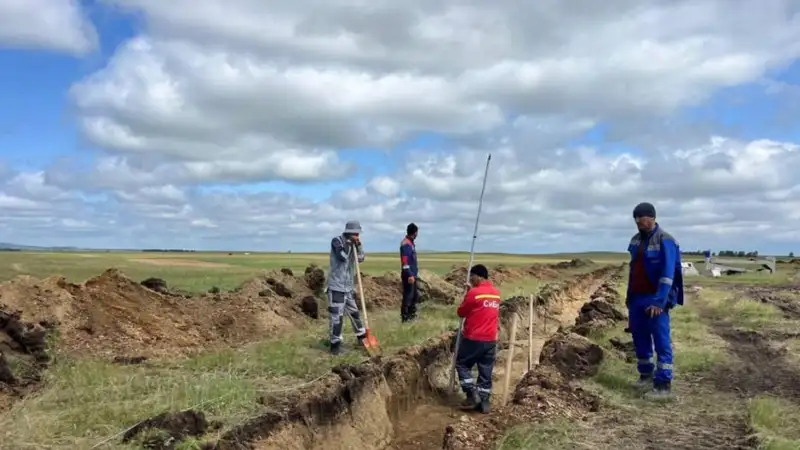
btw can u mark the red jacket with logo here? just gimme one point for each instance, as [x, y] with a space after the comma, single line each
[481, 312]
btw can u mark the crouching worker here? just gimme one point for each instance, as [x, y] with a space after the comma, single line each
[480, 311]
[655, 286]
[345, 248]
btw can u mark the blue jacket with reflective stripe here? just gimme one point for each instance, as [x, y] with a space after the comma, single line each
[662, 263]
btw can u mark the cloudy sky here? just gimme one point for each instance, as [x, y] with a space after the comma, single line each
[247, 124]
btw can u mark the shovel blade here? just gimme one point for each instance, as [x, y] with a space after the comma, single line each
[371, 344]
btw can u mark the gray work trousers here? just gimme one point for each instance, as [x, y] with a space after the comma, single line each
[339, 304]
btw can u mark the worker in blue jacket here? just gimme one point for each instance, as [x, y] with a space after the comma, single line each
[655, 285]
[409, 273]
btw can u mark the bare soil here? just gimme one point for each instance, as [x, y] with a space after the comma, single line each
[787, 299]
[180, 262]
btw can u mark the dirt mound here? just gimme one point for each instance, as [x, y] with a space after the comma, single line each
[167, 430]
[575, 263]
[608, 293]
[596, 314]
[498, 274]
[156, 284]
[314, 277]
[386, 291]
[627, 349]
[23, 356]
[542, 272]
[434, 289]
[787, 300]
[546, 393]
[111, 315]
[543, 394]
[572, 354]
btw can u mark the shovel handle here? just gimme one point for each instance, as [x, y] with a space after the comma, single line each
[361, 293]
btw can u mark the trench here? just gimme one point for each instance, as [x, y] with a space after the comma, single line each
[399, 402]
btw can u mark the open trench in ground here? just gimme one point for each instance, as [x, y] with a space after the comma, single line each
[402, 401]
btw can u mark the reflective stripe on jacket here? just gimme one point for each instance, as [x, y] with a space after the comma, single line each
[481, 312]
[408, 258]
[662, 265]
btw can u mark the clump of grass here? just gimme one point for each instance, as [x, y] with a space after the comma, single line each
[776, 423]
[745, 313]
[556, 435]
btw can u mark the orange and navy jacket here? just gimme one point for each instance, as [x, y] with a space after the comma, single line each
[481, 312]
[408, 258]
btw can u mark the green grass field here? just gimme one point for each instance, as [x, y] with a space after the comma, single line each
[198, 272]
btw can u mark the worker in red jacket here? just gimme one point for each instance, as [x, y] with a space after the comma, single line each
[481, 312]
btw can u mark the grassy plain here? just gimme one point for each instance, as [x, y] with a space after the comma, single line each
[85, 401]
[198, 272]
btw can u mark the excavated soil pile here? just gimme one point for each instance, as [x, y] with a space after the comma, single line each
[382, 291]
[314, 277]
[607, 292]
[354, 407]
[23, 355]
[785, 299]
[572, 354]
[113, 316]
[596, 315]
[165, 431]
[549, 302]
[575, 263]
[548, 391]
[502, 273]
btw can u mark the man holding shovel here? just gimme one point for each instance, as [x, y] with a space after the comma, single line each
[341, 292]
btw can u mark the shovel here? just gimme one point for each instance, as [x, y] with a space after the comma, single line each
[370, 342]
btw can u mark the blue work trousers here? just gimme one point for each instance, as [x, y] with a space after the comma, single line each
[648, 333]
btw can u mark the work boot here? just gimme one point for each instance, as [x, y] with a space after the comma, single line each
[472, 399]
[336, 349]
[361, 340]
[661, 391]
[644, 381]
[483, 406]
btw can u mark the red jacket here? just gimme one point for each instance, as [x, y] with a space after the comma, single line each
[481, 311]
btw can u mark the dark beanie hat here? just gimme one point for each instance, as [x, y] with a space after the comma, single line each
[479, 270]
[644, 210]
[411, 228]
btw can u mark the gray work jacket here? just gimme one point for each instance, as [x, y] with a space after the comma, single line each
[342, 270]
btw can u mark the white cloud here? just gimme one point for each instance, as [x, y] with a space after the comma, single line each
[59, 25]
[244, 92]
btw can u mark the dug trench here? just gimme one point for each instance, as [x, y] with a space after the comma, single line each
[114, 318]
[397, 402]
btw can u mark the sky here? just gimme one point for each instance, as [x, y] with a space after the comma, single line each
[266, 126]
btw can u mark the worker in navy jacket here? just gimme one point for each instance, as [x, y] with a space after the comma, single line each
[655, 286]
[409, 273]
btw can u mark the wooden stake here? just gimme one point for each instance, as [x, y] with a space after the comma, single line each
[510, 359]
[530, 333]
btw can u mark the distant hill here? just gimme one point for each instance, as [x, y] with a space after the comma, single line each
[8, 246]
